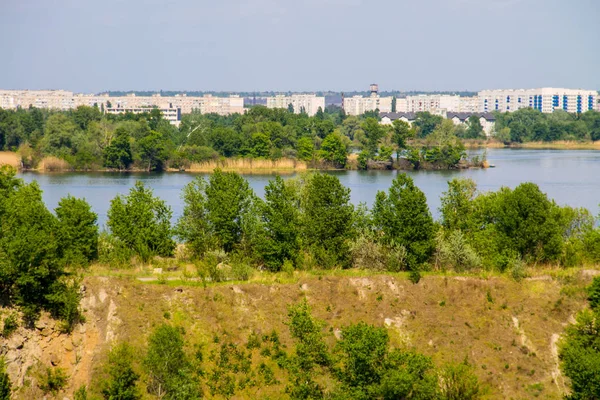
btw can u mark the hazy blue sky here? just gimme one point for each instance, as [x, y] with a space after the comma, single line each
[246, 45]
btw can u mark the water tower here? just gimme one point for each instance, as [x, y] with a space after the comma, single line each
[374, 89]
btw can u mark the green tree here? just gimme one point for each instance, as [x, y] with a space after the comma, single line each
[123, 379]
[404, 218]
[83, 116]
[333, 150]
[142, 222]
[77, 230]
[168, 367]
[228, 200]
[261, 145]
[425, 123]
[290, 108]
[363, 349]
[118, 153]
[306, 148]
[457, 204]
[580, 356]
[153, 151]
[281, 219]
[474, 128]
[401, 132]
[193, 226]
[374, 132]
[327, 219]
[31, 274]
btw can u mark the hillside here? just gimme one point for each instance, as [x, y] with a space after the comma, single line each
[508, 330]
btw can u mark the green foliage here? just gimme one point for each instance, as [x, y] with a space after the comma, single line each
[401, 132]
[228, 200]
[53, 380]
[5, 384]
[454, 253]
[580, 356]
[153, 151]
[77, 231]
[142, 222]
[425, 123]
[333, 150]
[306, 148]
[81, 393]
[458, 382]
[122, 380]
[362, 354]
[404, 218]
[363, 160]
[280, 217]
[457, 204]
[327, 219]
[168, 367]
[374, 132]
[10, 325]
[311, 349]
[118, 152]
[593, 294]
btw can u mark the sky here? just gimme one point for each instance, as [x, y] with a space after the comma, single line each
[298, 45]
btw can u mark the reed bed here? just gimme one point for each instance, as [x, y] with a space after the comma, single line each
[52, 163]
[10, 158]
[248, 164]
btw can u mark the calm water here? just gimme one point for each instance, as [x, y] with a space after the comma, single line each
[571, 177]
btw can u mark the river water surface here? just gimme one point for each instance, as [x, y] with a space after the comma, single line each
[571, 177]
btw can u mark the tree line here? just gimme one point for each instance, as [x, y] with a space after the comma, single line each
[528, 124]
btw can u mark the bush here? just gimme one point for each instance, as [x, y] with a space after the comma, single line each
[5, 385]
[455, 253]
[113, 252]
[10, 326]
[122, 378]
[594, 294]
[367, 253]
[458, 382]
[53, 381]
[142, 222]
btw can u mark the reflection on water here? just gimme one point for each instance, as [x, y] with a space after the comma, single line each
[569, 176]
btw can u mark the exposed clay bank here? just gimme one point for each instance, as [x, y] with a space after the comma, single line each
[569, 176]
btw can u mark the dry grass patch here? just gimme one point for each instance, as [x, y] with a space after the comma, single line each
[248, 164]
[10, 158]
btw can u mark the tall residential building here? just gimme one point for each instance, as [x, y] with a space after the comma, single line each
[434, 103]
[64, 100]
[545, 100]
[171, 114]
[309, 103]
[358, 105]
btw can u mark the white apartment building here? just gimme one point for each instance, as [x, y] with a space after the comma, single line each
[65, 100]
[432, 103]
[171, 114]
[468, 104]
[545, 100]
[358, 105]
[309, 103]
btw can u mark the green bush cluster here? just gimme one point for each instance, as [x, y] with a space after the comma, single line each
[41, 253]
[361, 365]
[580, 350]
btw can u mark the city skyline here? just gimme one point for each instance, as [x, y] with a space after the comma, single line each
[269, 45]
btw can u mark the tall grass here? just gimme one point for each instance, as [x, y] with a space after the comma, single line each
[248, 164]
[10, 158]
[52, 163]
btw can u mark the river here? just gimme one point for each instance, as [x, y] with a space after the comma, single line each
[571, 177]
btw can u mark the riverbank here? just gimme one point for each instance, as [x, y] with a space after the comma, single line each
[556, 145]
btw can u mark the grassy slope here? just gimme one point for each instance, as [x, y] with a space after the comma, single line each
[506, 329]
